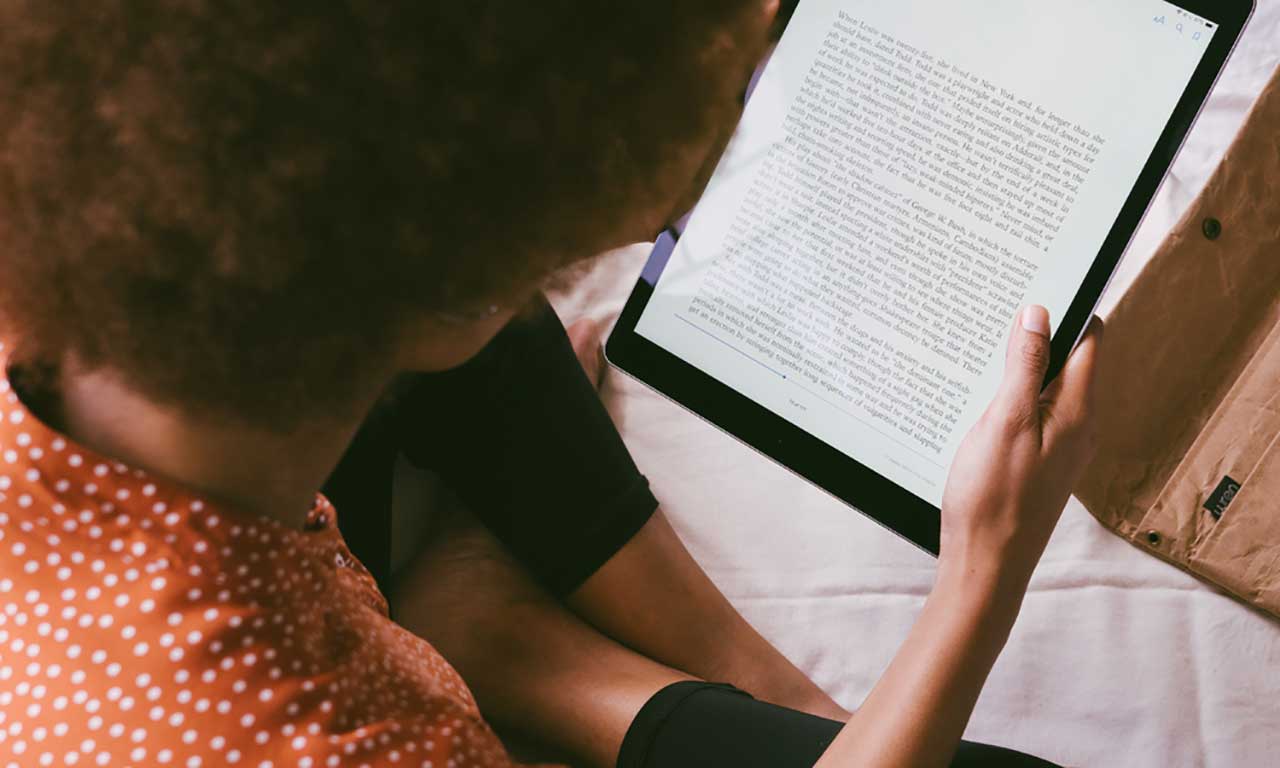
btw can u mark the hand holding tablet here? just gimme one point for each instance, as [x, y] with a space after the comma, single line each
[996, 524]
[907, 175]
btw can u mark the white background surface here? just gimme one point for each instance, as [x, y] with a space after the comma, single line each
[1117, 660]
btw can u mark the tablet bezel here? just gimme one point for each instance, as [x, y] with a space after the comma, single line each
[854, 483]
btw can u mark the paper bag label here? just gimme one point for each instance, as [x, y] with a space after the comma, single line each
[1222, 497]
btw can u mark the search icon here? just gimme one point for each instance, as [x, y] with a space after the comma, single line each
[1179, 27]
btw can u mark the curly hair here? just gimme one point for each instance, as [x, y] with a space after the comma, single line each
[233, 203]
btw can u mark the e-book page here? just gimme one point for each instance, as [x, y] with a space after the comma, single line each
[906, 175]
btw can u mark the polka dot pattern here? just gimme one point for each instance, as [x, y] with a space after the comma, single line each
[143, 626]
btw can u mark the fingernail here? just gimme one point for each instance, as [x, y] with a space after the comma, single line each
[1099, 325]
[1036, 320]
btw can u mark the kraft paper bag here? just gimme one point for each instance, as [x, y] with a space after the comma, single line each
[1189, 463]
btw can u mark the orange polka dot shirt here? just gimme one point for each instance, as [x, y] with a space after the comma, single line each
[141, 625]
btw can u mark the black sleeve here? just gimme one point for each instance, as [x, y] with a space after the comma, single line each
[521, 436]
[701, 724]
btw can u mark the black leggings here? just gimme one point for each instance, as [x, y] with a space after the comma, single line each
[700, 724]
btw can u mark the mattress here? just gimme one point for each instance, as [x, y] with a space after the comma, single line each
[1118, 659]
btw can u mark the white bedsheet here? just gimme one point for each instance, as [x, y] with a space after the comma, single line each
[1118, 659]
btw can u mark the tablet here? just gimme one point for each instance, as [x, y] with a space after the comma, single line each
[904, 177]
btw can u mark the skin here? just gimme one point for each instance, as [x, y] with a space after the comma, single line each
[650, 616]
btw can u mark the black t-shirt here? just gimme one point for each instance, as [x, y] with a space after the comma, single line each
[520, 436]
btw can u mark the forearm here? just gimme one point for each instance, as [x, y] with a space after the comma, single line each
[535, 669]
[653, 597]
[917, 713]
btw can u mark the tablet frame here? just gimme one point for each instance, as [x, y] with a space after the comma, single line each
[862, 488]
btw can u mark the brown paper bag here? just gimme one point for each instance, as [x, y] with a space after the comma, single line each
[1189, 463]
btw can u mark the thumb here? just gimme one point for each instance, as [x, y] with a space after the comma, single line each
[1026, 362]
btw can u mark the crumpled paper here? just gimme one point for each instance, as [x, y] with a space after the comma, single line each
[1188, 466]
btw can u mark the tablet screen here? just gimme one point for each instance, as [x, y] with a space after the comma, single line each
[905, 176]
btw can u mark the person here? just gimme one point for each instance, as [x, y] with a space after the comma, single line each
[229, 230]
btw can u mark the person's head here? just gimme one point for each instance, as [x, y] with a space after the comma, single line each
[251, 208]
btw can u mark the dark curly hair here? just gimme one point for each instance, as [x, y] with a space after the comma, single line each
[221, 199]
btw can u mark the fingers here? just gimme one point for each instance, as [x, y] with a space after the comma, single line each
[1071, 403]
[1026, 364]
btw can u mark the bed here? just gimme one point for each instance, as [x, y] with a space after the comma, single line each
[1118, 659]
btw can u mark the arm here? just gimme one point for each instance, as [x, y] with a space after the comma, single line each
[538, 673]
[996, 525]
[652, 596]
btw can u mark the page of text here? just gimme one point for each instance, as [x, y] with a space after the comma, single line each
[905, 177]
